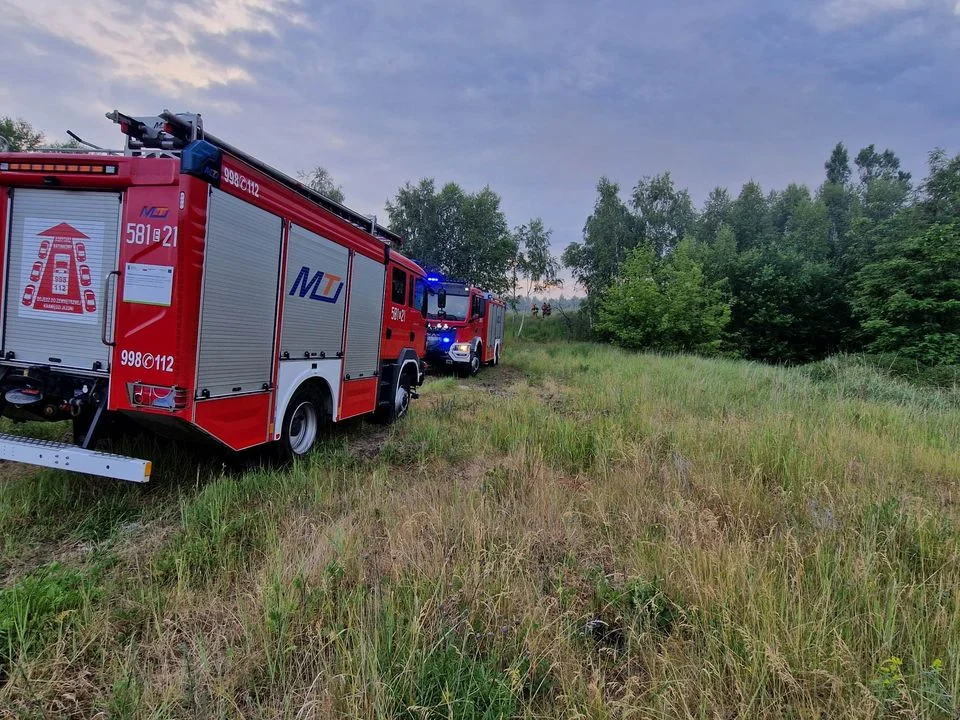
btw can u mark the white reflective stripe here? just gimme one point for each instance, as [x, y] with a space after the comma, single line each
[63, 456]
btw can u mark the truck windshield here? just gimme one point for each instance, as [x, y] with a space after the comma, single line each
[456, 309]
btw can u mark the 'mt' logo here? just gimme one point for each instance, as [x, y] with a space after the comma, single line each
[321, 286]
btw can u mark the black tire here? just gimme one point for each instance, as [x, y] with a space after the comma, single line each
[402, 398]
[401, 402]
[472, 366]
[302, 423]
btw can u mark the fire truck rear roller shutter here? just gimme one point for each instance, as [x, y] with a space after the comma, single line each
[365, 319]
[314, 297]
[62, 247]
[241, 273]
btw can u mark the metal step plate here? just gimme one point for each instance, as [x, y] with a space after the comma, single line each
[63, 456]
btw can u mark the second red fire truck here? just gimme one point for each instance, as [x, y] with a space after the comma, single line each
[464, 326]
[183, 284]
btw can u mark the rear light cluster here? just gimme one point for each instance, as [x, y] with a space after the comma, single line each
[59, 168]
[157, 396]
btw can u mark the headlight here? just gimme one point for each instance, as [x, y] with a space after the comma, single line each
[462, 347]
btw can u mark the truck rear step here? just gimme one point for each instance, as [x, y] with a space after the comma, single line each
[63, 456]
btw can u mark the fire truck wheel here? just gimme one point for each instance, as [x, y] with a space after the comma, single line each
[474, 367]
[471, 368]
[401, 401]
[301, 424]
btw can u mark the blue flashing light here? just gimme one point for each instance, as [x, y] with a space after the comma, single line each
[202, 159]
[446, 340]
[433, 278]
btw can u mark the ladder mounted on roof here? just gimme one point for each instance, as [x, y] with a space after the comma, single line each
[171, 133]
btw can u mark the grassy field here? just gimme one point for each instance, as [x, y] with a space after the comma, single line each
[580, 533]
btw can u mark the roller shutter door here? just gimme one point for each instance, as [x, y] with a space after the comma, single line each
[366, 318]
[314, 299]
[63, 246]
[239, 309]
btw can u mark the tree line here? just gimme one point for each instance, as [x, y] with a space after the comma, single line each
[869, 261]
[866, 262]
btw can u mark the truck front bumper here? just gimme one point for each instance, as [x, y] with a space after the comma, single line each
[454, 356]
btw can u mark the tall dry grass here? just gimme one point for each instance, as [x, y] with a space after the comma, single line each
[582, 532]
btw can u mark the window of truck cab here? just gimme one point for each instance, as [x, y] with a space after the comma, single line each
[398, 290]
[457, 307]
[419, 302]
[479, 306]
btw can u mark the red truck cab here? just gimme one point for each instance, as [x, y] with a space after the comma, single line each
[464, 326]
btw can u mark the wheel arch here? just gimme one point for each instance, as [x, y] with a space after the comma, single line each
[409, 361]
[321, 388]
[313, 393]
[323, 375]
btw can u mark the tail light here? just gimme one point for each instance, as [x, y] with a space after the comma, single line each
[157, 396]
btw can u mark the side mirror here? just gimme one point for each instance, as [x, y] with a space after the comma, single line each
[442, 298]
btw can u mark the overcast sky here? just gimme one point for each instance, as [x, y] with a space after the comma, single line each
[536, 99]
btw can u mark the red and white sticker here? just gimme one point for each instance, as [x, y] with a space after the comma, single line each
[60, 276]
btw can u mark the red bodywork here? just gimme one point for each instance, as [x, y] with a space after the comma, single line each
[163, 223]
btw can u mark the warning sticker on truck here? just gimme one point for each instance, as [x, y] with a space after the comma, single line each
[61, 268]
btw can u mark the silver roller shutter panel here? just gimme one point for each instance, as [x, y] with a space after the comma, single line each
[491, 325]
[314, 297]
[495, 325]
[365, 322]
[239, 309]
[63, 245]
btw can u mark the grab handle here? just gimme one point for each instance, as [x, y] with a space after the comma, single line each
[108, 307]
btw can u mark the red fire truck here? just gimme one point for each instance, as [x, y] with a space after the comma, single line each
[187, 286]
[464, 326]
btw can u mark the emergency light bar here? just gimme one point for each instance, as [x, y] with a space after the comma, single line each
[58, 167]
